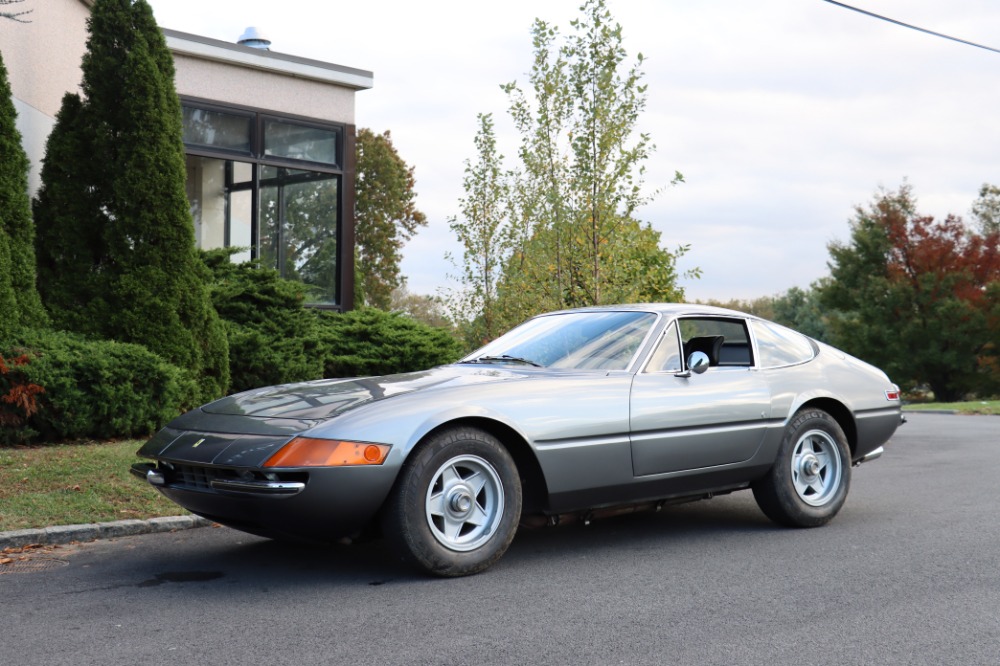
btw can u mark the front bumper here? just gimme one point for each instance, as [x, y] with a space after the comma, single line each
[157, 477]
[321, 504]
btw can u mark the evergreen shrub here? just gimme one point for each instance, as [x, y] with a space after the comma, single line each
[373, 342]
[116, 243]
[97, 389]
[273, 339]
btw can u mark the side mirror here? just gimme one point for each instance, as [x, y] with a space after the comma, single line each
[698, 362]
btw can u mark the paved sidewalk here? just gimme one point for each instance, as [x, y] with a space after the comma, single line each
[68, 533]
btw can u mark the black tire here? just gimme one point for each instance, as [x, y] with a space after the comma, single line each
[456, 504]
[811, 475]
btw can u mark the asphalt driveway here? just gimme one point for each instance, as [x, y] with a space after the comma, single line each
[908, 573]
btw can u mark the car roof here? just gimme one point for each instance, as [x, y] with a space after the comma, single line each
[670, 309]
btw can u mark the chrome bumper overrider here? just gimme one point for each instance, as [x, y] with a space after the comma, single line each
[156, 477]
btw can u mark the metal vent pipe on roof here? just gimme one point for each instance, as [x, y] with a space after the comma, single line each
[255, 39]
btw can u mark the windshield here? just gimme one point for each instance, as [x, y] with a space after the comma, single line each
[571, 340]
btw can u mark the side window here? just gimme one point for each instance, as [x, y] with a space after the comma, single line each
[667, 356]
[725, 340]
[780, 346]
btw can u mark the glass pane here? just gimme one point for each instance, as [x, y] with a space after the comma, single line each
[206, 191]
[780, 346]
[300, 142]
[216, 129]
[667, 357]
[222, 217]
[298, 219]
[269, 218]
[240, 221]
[586, 340]
[310, 237]
[242, 173]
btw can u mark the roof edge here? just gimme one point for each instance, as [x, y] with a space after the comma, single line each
[206, 48]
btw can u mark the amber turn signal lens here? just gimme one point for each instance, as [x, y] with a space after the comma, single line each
[312, 452]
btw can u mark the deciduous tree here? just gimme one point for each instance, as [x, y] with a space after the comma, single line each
[386, 216]
[912, 295]
[486, 231]
[801, 310]
[428, 310]
[570, 220]
[986, 209]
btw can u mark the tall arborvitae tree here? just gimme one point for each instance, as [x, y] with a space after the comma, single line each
[144, 279]
[69, 226]
[19, 302]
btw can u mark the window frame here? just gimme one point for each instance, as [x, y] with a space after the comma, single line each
[768, 325]
[674, 327]
[343, 171]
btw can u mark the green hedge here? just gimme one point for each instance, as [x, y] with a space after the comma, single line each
[93, 388]
[372, 342]
[99, 389]
[273, 339]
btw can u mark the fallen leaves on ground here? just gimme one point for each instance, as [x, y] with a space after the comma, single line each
[24, 553]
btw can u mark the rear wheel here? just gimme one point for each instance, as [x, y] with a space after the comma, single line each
[811, 475]
[456, 504]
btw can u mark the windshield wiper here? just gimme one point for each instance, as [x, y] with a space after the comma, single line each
[505, 358]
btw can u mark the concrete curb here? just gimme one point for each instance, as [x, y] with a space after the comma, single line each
[64, 534]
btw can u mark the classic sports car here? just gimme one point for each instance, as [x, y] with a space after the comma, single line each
[573, 413]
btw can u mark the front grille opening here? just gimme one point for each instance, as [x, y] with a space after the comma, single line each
[200, 477]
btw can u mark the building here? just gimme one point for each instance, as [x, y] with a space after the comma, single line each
[269, 139]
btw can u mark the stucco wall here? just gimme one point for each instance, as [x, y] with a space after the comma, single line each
[43, 64]
[43, 57]
[263, 90]
[35, 128]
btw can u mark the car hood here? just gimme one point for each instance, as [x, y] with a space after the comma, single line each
[324, 399]
[245, 429]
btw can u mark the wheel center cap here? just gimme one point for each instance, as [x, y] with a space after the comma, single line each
[460, 501]
[810, 466]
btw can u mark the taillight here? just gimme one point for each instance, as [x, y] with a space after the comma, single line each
[892, 394]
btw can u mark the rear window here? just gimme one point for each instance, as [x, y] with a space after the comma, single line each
[780, 346]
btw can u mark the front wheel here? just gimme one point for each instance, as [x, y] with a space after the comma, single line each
[456, 504]
[808, 483]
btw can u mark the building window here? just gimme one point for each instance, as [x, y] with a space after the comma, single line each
[298, 223]
[271, 186]
[300, 142]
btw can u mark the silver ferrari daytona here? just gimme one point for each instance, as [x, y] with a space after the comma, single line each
[572, 414]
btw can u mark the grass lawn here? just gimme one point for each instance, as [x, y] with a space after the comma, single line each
[74, 484]
[972, 407]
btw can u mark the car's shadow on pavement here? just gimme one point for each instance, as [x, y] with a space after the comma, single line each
[263, 563]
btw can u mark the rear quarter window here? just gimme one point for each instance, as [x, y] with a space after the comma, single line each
[780, 346]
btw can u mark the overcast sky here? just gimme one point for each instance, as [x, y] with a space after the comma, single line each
[782, 114]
